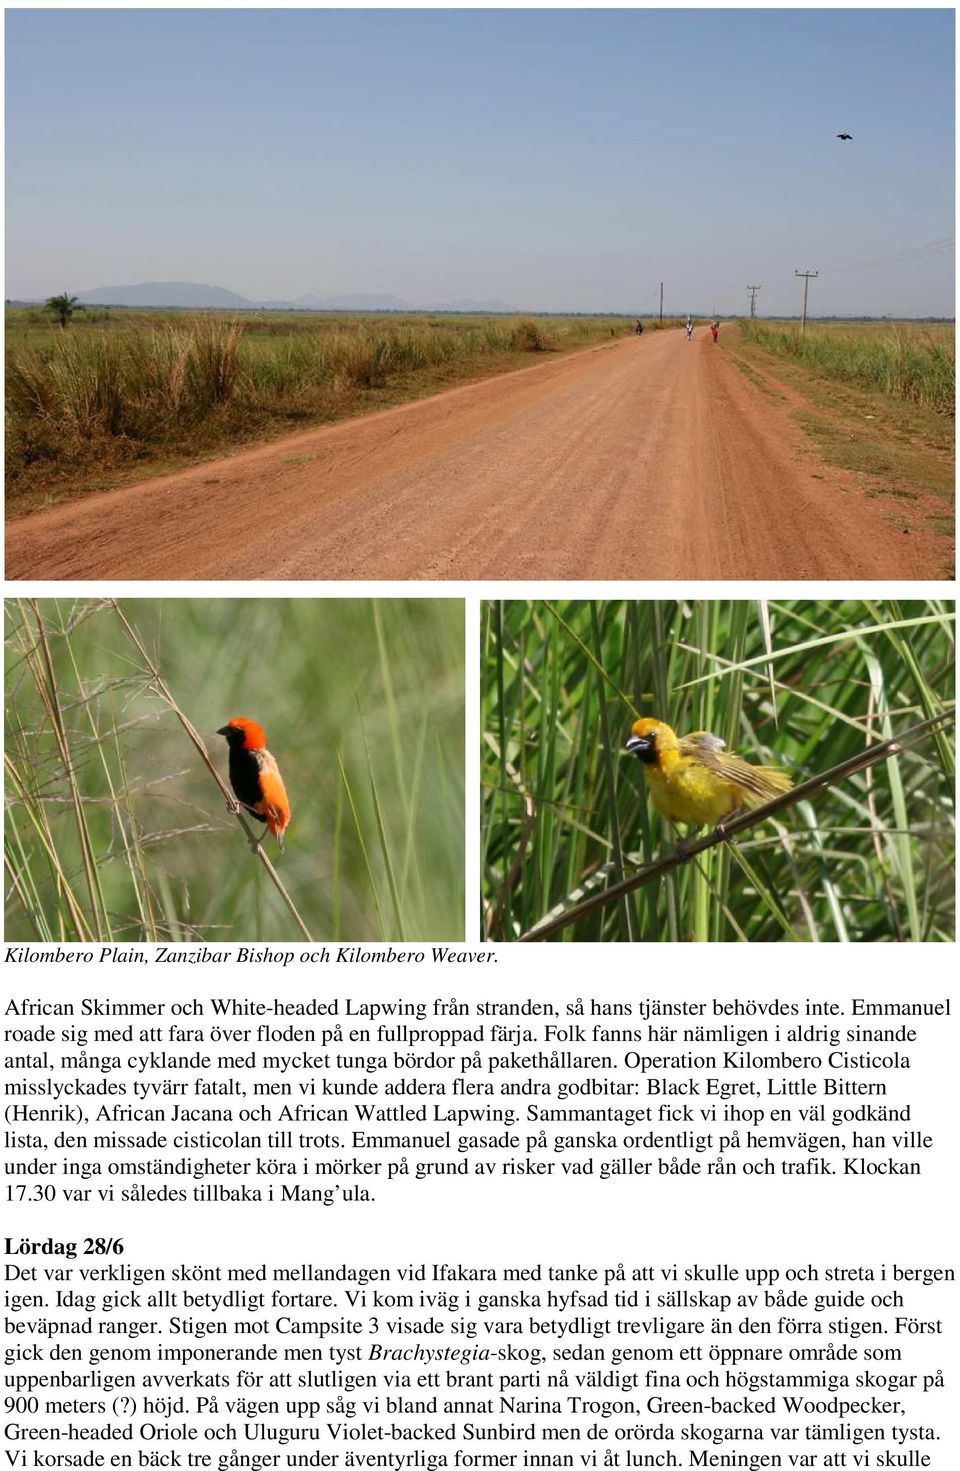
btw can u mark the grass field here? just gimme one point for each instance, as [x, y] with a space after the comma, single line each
[115, 828]
[565, 813]
[119, 393]
[915, 361]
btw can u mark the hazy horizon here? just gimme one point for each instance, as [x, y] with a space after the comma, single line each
[558, 160]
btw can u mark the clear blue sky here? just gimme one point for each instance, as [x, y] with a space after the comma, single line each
[563, 160]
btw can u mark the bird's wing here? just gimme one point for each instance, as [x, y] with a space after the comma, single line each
[276, 804]
[759, 782]
[702, 739]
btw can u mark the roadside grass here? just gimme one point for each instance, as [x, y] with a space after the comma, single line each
[913, 361]
[117, 829]
[130, 392]
[904, 474]
[564, 813]
[902, 450]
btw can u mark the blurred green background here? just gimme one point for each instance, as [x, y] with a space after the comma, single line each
[363, 704]
[565, 813]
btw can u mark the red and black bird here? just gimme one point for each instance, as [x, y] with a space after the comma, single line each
[255, 776]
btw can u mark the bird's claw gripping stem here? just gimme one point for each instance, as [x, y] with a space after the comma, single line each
[236, 808]
[684, 845]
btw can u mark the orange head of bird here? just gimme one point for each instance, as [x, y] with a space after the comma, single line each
[244, 735]
[648, 738]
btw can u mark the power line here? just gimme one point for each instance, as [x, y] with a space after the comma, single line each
[753, 299]
[914, 252]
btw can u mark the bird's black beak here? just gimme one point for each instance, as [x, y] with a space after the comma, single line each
[643, 747]
[224, 730]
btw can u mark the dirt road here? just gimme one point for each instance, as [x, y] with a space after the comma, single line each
[648, 458]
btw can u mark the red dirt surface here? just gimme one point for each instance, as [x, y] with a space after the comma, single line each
[648, 458]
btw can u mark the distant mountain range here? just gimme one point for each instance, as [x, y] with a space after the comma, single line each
[164, 293]
[195, 294]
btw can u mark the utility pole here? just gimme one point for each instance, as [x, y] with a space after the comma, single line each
[807, 275]
[753, 299]
[661, 303]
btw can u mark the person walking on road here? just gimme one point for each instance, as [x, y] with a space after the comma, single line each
[689, 330]
[715, 330]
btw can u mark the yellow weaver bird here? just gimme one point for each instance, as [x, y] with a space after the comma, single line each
[693, 779]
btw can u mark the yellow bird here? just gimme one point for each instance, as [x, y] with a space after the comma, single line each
[693, 779]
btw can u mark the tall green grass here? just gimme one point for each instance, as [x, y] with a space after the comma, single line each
[800, 683]
[115, 829]
[142, 385]
[909, 362]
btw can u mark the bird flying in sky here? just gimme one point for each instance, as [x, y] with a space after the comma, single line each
[846, 136]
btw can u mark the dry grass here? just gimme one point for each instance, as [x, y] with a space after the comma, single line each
[912, 361]
[145, 388]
